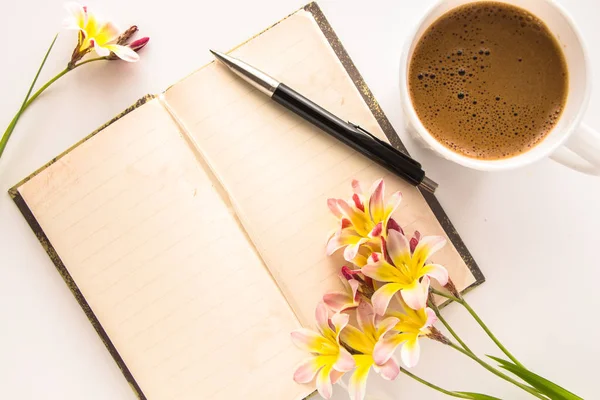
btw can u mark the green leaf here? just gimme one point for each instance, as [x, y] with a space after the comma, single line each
[479, 396]
[543, 385]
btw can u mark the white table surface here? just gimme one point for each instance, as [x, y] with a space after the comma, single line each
[534, 231]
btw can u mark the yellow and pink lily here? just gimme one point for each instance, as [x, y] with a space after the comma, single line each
[364, 340]
[405, 271]
[329, 360]
[412, 325]
[99, 35]
[362, 221]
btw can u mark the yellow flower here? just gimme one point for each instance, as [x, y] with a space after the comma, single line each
[412, 324]
[364, 341]
[404, 270]
[94, 33]
[362, 221]
[329, 359]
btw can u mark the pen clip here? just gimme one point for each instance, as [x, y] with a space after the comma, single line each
[389, 146]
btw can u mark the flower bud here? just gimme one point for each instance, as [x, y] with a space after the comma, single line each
[435, 334]
[138, 44]
[392, 224]
[452, 289]
[415, 241]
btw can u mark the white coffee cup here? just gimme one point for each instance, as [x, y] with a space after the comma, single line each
[570, 142]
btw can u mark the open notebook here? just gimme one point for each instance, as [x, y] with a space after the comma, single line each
[191, 229]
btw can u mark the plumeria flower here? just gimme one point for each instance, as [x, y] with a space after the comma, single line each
[342, 301]
[97, 34]
[362, 220]
[405, 271]
[364, 341]
[412, 324]
[329, 359]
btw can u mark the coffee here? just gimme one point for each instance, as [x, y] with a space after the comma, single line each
[488, 80]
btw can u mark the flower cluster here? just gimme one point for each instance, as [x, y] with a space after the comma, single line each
[385, 291]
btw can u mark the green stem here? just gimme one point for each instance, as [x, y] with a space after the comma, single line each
[448, 327]
[28, 100]
[466, 305]
[494, 371]
[490, 334]
[435, 387]
[25, 103]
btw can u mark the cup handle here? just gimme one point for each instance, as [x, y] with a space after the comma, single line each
[581, 152]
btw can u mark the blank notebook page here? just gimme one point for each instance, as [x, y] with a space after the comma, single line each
[160, 259]
[279, 170]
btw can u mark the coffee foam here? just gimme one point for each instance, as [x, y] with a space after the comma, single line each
[479, 87]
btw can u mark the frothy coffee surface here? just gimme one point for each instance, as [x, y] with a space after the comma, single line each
[488, 80]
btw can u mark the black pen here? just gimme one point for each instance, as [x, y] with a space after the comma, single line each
[350, 134]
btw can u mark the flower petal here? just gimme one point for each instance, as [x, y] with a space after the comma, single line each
[437, 272]
[322, 318]
[365, 316]
[427, 246]
[358, 381]
[77, 16]
[351, 251]
[385, 347]
[415, 295]
[392, 204]
[335, 376]
[333, 207]
[356, 339]
[100, 50]
[306, 371]
[376, 208]
[376, 231]
[310, 341]
[431, 317]
[125, 53]
[385, 326]
[339, 322]
[345, 361]
[324, 386]
[106, 33]
[381, 298]
[343, 237]
[389, 370]
[356, 187]
[383, 271]
[411, 352]
[398, 248]
[337, 301]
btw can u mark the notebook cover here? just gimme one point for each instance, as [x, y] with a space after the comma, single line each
[369, 99]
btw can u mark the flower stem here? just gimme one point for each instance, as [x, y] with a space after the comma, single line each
[435, 387]
[448, 327]
[494, 371]
[28, 100]
[466, 305]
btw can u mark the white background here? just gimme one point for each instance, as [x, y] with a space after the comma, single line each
[534, 231]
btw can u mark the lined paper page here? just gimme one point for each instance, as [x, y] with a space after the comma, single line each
[158, 256]
[279, 170]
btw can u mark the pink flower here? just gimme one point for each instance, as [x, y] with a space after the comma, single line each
[412, 325]
[405, 271]
[362, 221]
[329, 360]
[364, 340]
